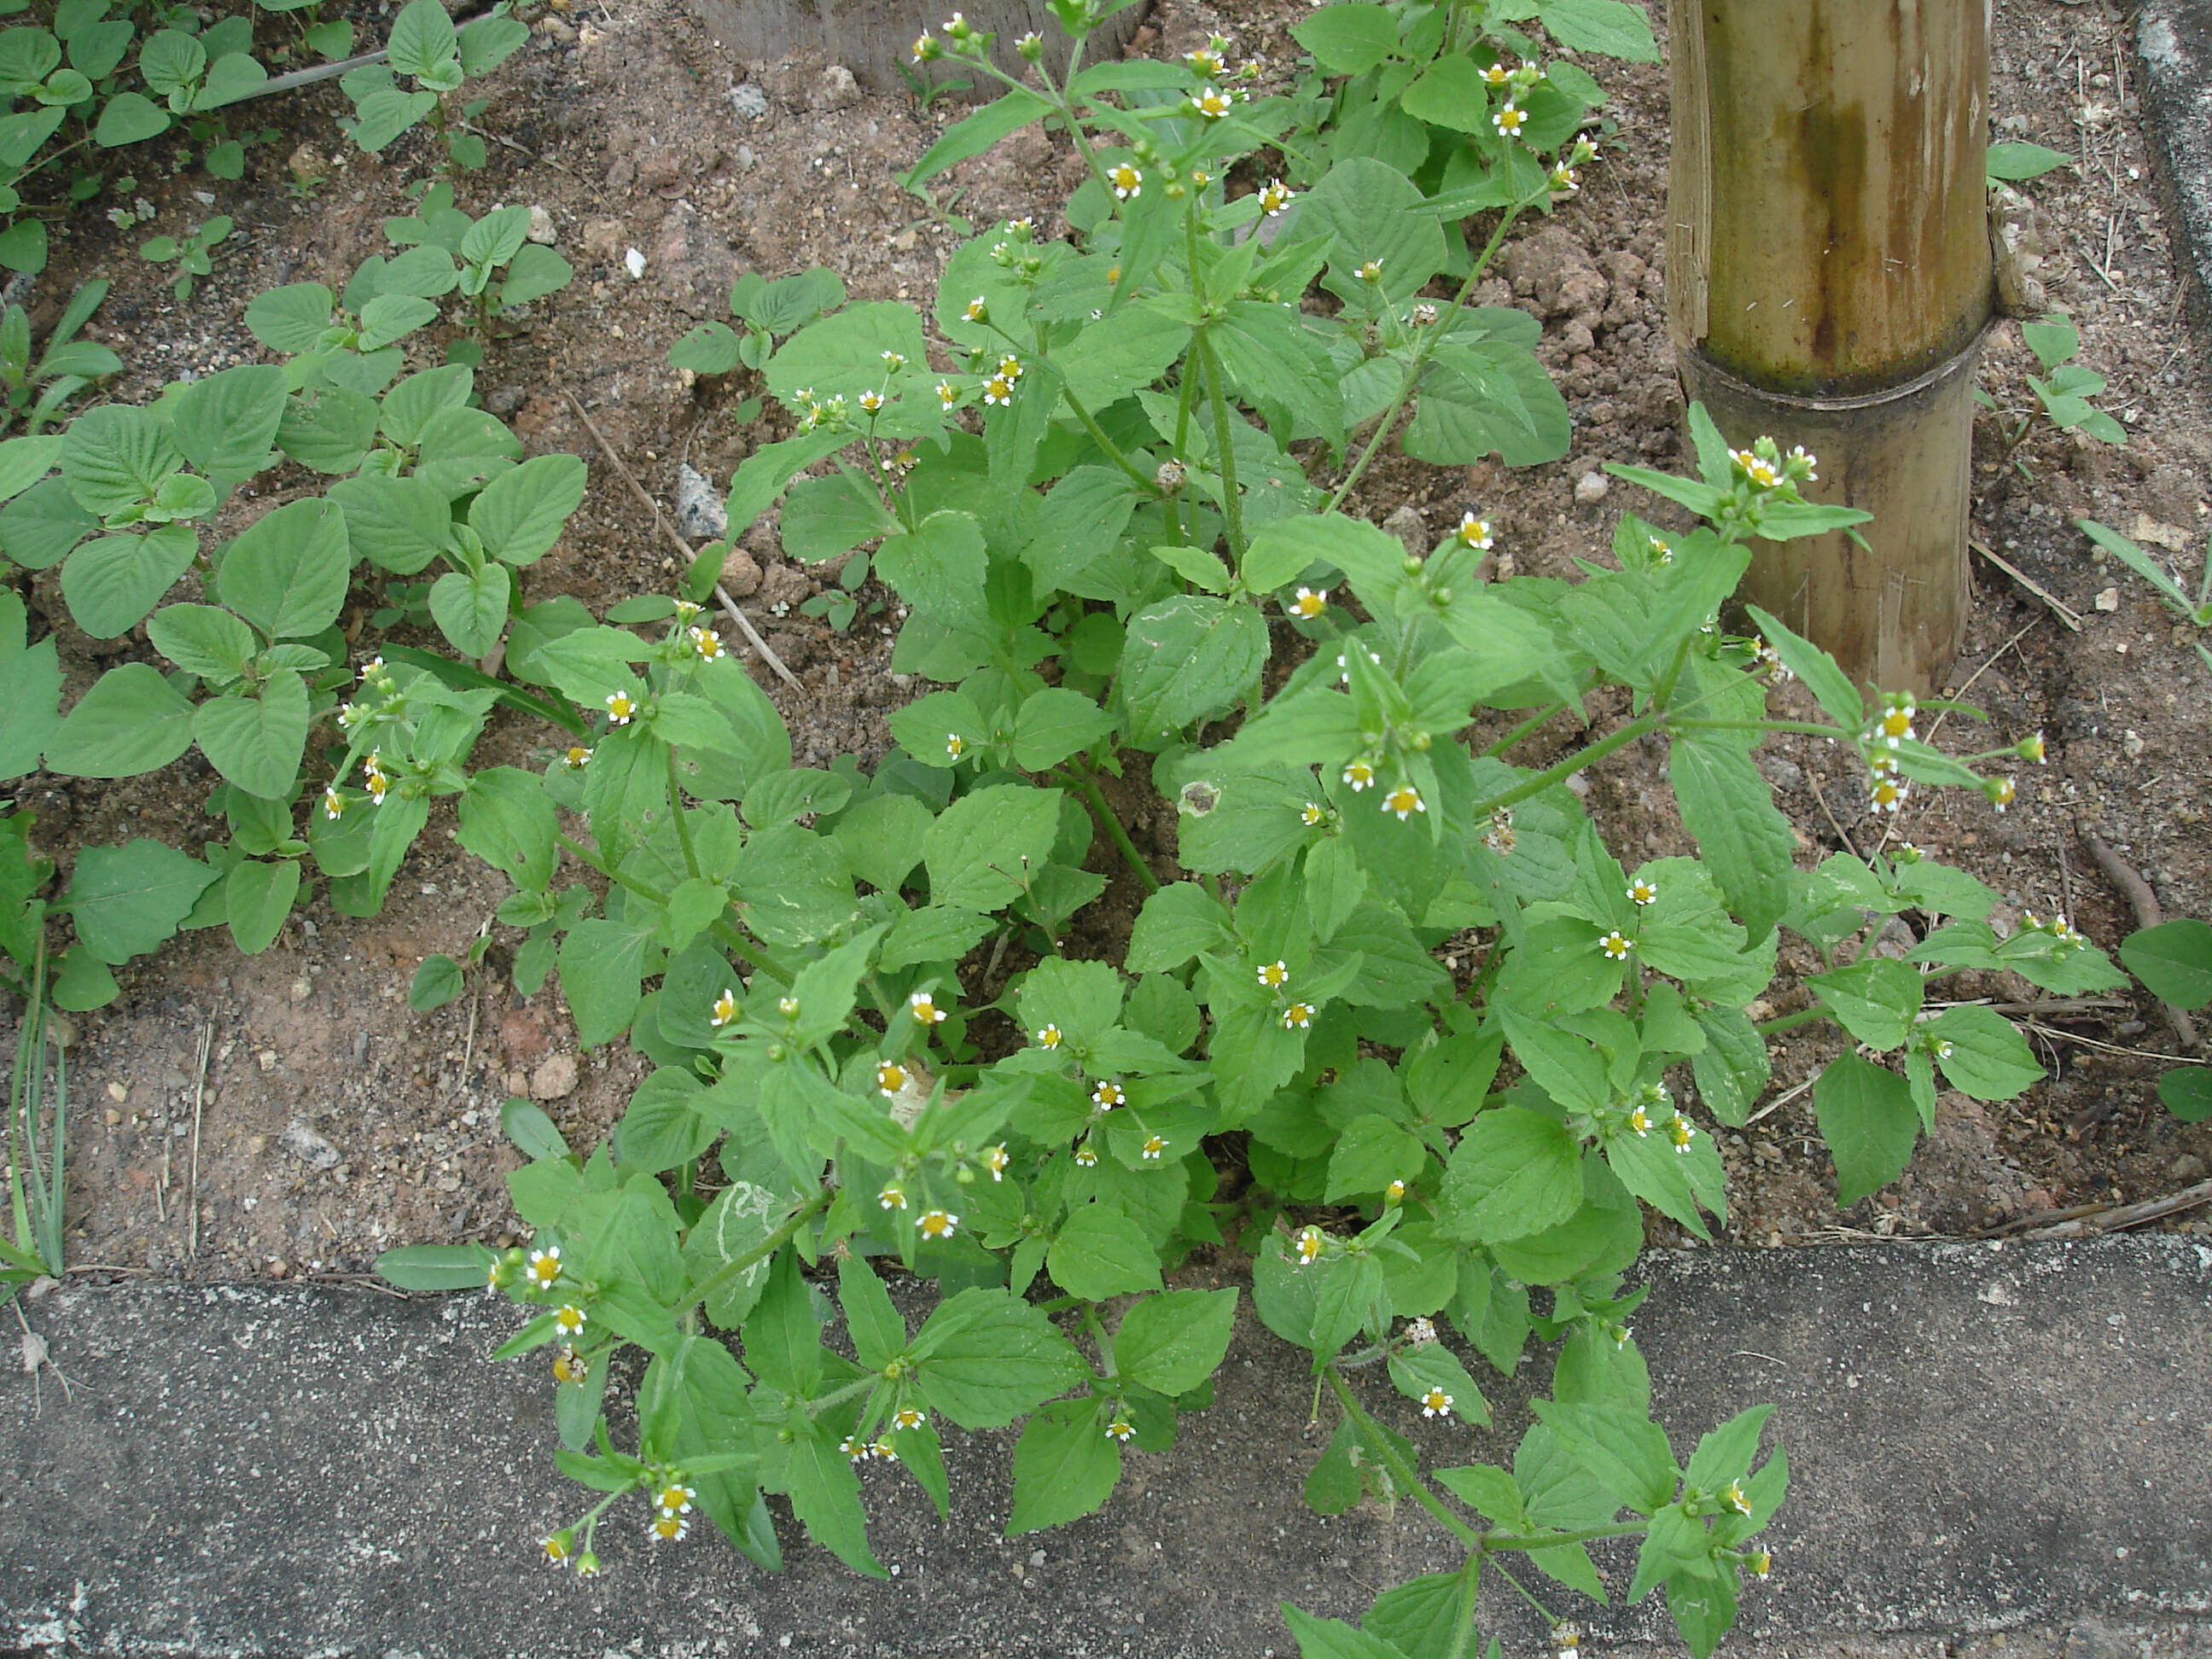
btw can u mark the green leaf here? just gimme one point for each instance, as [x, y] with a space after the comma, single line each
[437, 982]
[1838, 698]
[661, 1127]
[1053, 724]
[1601, 26]
[1514, 1172]
[825, 1493]
[129, 117]
[1348, 38]
[986, 1357]
[1728, 806]
[2173, 961]
[112, 584]
[399, 525]
[1564, 1065]
[742, 1218]
[257, 896]
[2186, 1091]
[975, 134]
[1100, 1254]
[1178, 922]
[1988, 1057]
[1875, 999]
[423, 42]
[1623, 1449]
[1866, 1116]
[225, 422]
[985, 848]
[255, 741]
[203, 640]
[825, 517]
[1189, 658]
[127, 900]
[132, 720]
[1064, 1467]
[508, 820]
[1371, 210]
[470, 607]
[1370, 1152]
[1173, 1342]
[2013, 162]
[287, 573]
[1450, 94]
[939, 569]
[435, 1266]
[1702, 1608]
[709, 348]
[519, 514]
[602, 963]
[1332, 1638]
[1733, 1068]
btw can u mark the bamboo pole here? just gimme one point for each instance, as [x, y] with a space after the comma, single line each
[1828, 281]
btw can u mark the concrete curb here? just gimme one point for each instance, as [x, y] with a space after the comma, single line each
[1981, 1439]
[2174, 42]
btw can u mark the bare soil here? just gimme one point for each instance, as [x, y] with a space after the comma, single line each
[327, 1122]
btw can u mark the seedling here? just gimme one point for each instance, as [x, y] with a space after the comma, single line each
[35, 392]
[2196, 612]
[192, 254]
[427, 49]
[2062, 400]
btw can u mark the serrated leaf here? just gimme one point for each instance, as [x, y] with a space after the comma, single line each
[1064, 1467]
[1868, 1120]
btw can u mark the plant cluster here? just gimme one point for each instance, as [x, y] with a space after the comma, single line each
[1101, 536]
[70, 96]
[1105, 476]
[421, 479]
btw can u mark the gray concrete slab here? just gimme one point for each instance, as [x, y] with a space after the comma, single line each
[1983, 1440]
[2173, 40]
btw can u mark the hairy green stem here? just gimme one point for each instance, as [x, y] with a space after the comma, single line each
[1217, 392]
[1527, 1595]
[1492, 1542]
[1110, 822]
[1470, 1590]
[1528, 728]
[1422, 351]
[728, 1272]
[1098, 1335]
[1581, 758]
[1785, 1022]
[1387, 1455]
[683, 828]
[1144, 480]
[1811, 728]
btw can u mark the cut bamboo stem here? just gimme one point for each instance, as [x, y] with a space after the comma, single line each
[1828, 280]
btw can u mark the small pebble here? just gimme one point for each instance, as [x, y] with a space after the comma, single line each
[541, 227]
[748, 100]
[2109, 599]
[304, 1143]
[1591, 487]
[700, 514]
[634, 263]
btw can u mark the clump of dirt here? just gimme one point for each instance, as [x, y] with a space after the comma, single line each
[328, 1121]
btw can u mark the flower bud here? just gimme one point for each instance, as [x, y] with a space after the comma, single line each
[1030, 46]
[1170, 475]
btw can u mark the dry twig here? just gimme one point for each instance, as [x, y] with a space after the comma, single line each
[199, 1100]
[661, 519]
[2091, 1220]
[2059, 607]
[2144, 903]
